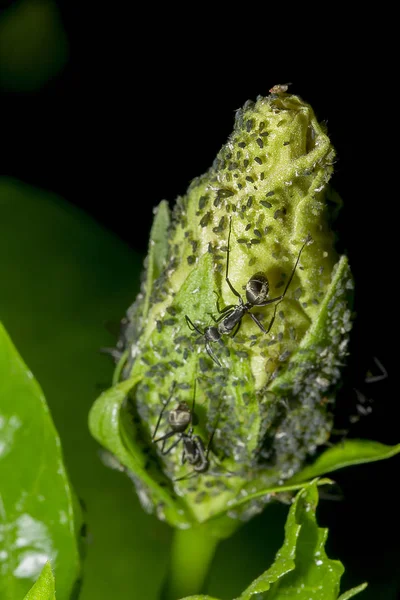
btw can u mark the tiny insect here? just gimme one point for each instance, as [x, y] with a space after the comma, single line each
[116, 352]
[194, 451]
[230, 317]
[120, 353]
[280, 88]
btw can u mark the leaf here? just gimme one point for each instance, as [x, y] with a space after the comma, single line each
[345, 454]
[301, 570]
[67, 276]
[199, 597]
[271, 491]
[353, 592]
[44, 588]
[37, 516]
[158, 249]
[135, 319]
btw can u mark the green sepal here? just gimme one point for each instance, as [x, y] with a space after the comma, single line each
[44, 588]
[109, 420]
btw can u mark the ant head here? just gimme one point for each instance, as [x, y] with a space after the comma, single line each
[180, 417]
[257, 289]
[212, 334]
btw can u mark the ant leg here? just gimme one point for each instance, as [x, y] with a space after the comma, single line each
[161, 414]
[212, 355]
[207, 452]
[164, 438]
[213, 318]
[281, 297]
[222, 316]
[168, 450]
[231, 473]
[193, 402]
[192, 326]
[238, 327]
[227, 265]
[188, 476]
[273, 317]
[258, 323]
[375, 378]
[222, 311]
[183, 458]
[113, 352]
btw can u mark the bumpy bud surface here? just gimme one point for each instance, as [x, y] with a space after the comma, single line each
[259, 378]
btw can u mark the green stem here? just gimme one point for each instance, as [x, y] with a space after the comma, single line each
[191, 554]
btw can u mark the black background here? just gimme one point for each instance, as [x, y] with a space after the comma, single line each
[142, 107]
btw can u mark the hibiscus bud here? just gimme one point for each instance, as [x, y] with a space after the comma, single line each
[232, 351]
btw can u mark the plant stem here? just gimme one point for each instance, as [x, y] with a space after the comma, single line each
[191, 554]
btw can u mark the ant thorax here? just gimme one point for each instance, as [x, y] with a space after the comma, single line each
[195, 452]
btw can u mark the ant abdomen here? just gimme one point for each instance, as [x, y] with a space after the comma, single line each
[257, 289]
[180, 417]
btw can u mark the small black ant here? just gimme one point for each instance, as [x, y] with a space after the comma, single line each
[257, 290]
[179, 419]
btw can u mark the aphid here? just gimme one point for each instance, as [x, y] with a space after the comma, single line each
[117, 352]
[230, 319]
[194, 451]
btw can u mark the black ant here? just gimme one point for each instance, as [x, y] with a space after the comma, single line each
[194, 451]
[257, 290]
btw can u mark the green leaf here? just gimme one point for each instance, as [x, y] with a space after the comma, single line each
[199, 597]
[301, 570]
[274, 492]
[68, 279]
[345, 454]
[37, 507]
[44, 588]
[158, 249]
[353, 592]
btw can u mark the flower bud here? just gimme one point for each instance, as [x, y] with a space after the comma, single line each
[235, 344]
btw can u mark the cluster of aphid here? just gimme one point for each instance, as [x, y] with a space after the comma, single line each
[181, 420]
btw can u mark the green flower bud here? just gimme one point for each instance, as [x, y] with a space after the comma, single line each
[250, 399]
